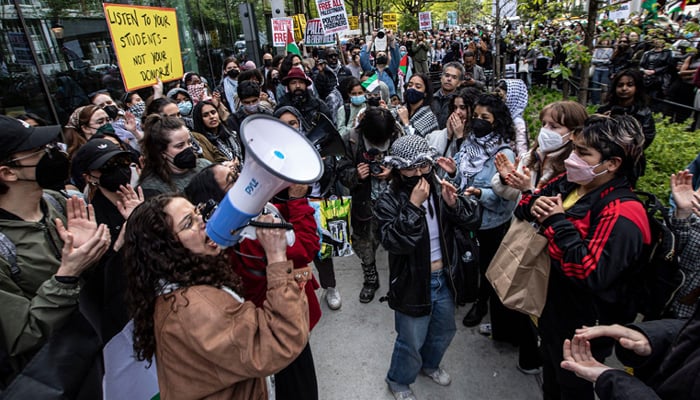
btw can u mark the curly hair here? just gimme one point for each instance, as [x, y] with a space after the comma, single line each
[156, 137]
[503, 121]
[154, 257]
[567, 113]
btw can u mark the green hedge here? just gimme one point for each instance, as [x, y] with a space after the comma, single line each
[672, 150]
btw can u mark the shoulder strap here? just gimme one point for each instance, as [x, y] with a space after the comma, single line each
[8, 251]
[346, 107]
[49, 198]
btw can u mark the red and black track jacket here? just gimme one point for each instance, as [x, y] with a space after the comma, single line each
[590, 256]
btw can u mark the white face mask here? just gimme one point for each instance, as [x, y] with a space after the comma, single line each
[550, 140]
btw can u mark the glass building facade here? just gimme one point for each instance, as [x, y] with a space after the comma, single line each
[54, 53]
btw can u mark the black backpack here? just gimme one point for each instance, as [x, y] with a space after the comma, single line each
[657, 277]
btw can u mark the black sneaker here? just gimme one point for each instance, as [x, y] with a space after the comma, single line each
[475, 314]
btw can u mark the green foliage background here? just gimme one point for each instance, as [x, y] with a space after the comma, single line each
[672, 150]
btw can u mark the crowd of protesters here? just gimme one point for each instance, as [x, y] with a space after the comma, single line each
[106, 223]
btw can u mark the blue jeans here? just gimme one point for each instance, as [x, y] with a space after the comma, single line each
[421, 342]
[601, 81]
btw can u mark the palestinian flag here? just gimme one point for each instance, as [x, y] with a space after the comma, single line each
[403, 65]
[291, 44]
[680, 6]
[371, 83]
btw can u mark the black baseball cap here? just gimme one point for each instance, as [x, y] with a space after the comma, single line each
[17, 136]
[94, 155]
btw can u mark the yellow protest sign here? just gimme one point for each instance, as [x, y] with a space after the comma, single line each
[390, 21]
[354, 22]
[299, 26]
[146, 42]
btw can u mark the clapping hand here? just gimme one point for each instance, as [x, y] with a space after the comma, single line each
[129, 199]
[683, 194]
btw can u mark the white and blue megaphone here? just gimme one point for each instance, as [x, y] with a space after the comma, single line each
[276, 156]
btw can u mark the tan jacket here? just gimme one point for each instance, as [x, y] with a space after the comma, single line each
[211, 346]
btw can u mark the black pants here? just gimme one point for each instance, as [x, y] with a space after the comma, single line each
[506, 325]
[326, 272]
[298, 380]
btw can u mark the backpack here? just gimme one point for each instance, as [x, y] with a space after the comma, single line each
[657, 277]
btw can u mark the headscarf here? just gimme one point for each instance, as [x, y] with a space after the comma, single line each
[516, 97]
[409, 151]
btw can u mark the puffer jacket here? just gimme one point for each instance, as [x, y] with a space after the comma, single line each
[403, 231]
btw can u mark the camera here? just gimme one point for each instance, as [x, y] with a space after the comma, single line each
[375, 167]
[380, 42]
[374, 158]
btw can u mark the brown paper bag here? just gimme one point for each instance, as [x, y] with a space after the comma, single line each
[519, 272]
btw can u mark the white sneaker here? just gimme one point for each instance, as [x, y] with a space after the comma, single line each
[405, 395]
[439, 376]
[333, 298]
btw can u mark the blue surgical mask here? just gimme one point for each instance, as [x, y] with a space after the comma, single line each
[403, 53]
[358, 100]
[185, 107]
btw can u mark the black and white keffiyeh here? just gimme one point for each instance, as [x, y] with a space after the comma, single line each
[409, 151]
[476, 151]
[424, 121]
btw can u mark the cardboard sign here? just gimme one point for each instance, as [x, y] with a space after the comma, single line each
[390, 21]
[354, 22]
[146, 42]
[452, 18]
[315, 36]
[280, 26]
[299, 26]
[424, 21]
[333, 16]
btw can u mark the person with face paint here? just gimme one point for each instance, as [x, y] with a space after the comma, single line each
[596, 228]
[56, 241]
[491, 132]
[417, 217]
[416, 117]
[169, 159]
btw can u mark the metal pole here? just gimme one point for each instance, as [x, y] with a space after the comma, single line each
[42, 78]
[206, 42]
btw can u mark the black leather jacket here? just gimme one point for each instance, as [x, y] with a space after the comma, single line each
[403, 231]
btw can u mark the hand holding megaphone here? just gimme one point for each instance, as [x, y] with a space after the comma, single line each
[263, 221]
[272, 240]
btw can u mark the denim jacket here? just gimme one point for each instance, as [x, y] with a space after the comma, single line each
[496, 209]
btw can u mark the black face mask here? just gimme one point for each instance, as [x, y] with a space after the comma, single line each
[112, 178]
[382, 60]
[409, 182]
[186, 159]
[275, 81]
[112, 111]
[267, 63]
[481, 127]
[51, 170]
[373, 101]
[232, 73]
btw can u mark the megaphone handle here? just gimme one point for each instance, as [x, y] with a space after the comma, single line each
[278, 225]
[249, 231]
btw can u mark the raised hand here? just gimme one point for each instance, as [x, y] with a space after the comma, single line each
[81, 222]
[129, 199]
[682, 190]
[272, 240]
[420, 193]
[76, 259]
[449, 193]
[520, 180]
[447, 164]
[504, 166]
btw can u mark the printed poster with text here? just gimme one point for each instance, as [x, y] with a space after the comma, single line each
[280, 27]
[146, 42]
[390, 22]
[424, 21]
[315, 36]
[333, 16]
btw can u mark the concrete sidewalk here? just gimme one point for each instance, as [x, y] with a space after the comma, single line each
[352, 349]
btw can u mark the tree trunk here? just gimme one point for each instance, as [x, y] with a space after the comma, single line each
[588, 42]
[565, 89]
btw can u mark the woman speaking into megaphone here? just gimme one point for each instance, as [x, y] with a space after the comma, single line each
[248, 261]
[188, 308]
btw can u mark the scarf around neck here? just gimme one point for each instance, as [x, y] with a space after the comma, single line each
[476, 151]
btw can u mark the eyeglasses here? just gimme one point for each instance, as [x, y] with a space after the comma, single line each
[209, 114]
[189, 221]
[48, 149]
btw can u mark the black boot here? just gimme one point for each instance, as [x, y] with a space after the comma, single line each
[371, 283]
[475, 314]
